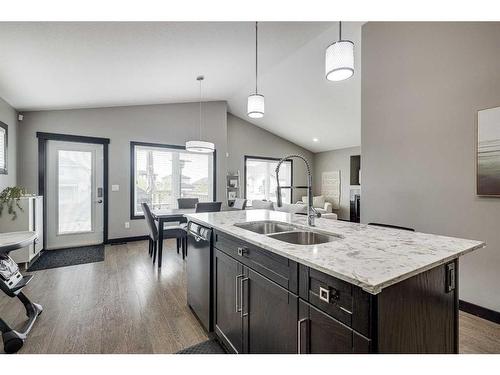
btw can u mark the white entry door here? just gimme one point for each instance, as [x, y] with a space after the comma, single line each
[74, 194]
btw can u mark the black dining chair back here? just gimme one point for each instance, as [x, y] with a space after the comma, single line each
[187, 202]
[153, 229]
[392, 226]
[240, 203]
[208, 206]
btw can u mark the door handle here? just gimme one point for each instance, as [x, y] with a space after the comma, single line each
[243, 314]
[299, 336]
[237, 287]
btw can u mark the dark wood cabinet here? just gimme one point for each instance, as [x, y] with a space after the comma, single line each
[279, 269]
[319, 333]
[228, 323]
[265, 304]
[270, 314]
[345, 302]
[253, 314]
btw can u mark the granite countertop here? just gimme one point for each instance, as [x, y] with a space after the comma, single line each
[368, 256]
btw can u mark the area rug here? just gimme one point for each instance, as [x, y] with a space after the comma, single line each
[68, 257]
[205, 347]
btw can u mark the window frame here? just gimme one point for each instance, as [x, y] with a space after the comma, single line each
[133, 144]
[5, 150]
[267, 158]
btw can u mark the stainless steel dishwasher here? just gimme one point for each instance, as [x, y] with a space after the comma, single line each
[199, 273]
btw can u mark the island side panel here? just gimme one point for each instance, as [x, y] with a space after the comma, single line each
[420, 314]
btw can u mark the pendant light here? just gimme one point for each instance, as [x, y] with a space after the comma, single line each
[200, 146]
[339, 59]
[255, 107]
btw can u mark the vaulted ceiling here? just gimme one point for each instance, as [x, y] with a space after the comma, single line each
[90, 64]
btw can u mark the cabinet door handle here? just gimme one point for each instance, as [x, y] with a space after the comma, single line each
[299, 336]
[236, 288]
[243, 314]
[450, 277]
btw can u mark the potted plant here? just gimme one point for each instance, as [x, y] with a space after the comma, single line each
[10, 197]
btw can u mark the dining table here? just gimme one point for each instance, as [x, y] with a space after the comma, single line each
[169, 215]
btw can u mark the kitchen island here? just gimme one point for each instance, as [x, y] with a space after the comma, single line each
[356, 289]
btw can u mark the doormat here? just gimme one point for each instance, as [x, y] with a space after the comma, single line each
[205, 347]
[68, 257]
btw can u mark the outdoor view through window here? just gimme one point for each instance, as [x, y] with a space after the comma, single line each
[163, 174]
[260, 179]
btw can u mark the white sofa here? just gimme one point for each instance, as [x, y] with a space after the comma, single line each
[319, 203]
[297, 208]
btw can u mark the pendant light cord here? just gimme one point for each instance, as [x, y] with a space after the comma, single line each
[340, 30]
[256, 52]
[200, 106]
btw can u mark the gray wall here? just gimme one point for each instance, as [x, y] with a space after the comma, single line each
[422, 86]
[247, 139]
[8, 115]
[329, 161]
[165, 123]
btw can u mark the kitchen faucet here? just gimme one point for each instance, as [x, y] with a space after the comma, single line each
[311, 212]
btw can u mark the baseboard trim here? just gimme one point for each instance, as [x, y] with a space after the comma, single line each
[482, 312]
[114, 241]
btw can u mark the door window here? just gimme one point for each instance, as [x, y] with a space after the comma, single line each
[74, 174]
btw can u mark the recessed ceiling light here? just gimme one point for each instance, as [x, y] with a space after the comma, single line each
[315, 140]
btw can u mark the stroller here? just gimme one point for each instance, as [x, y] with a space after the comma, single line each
[12, 283]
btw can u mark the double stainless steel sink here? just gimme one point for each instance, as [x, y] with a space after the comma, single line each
[290, 233]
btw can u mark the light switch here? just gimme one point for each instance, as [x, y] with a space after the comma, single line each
[115, 187]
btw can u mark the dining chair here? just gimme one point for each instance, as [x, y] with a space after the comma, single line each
[240, 204]
[175, 231]
[208, 207]
[153, 229]
[187, 202]
[392, 226]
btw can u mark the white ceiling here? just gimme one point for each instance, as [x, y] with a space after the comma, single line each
[77, 65]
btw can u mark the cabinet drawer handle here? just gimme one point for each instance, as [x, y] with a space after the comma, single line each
[345, 310]
[299, 336]
[237, 287]
[243, 314]
[242, 251]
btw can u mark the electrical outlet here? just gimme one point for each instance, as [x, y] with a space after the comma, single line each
[127, 225]
[115, 187]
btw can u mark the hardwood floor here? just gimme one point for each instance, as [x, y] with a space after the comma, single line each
[121, 305]
[125, 305]
[478, 335]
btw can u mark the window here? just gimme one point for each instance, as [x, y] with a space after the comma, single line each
[161, 174]
[260, 179]
[3, 148]
[74, 191]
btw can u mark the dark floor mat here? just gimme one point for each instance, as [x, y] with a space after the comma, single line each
[205, 347]
[68, 257]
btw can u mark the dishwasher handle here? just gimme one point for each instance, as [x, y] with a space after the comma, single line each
[195, 236]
